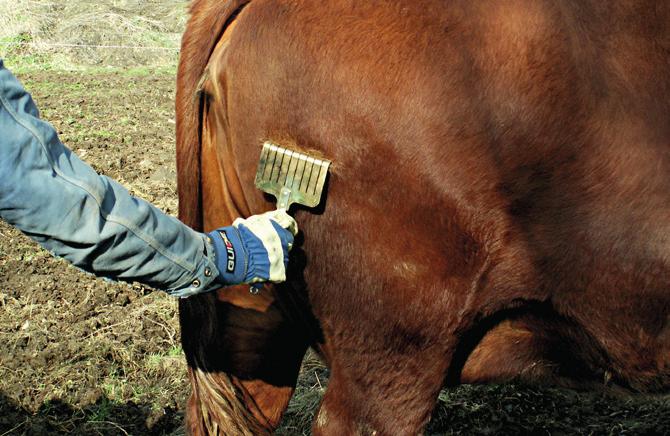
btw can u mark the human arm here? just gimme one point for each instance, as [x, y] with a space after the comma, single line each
[91, 220]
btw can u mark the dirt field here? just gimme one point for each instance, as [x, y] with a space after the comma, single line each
[84, 356]
[72, 341]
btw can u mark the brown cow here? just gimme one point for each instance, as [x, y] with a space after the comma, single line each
[498, 204]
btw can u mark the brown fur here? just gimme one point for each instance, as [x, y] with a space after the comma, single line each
[498, 208]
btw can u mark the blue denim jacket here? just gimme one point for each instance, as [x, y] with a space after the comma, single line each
[90, 220]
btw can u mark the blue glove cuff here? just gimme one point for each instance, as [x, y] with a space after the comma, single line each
[231, 257]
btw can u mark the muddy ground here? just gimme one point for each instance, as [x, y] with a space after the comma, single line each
[83, 356]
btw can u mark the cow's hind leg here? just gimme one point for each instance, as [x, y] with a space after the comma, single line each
[371, 394]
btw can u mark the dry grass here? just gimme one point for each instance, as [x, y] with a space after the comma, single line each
[39, 29]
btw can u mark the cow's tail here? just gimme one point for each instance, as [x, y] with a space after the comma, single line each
[209, 19]
[215, 406]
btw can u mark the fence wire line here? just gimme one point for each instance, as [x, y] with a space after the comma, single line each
[46, 44]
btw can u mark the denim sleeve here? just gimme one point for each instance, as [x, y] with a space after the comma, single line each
[90, 220]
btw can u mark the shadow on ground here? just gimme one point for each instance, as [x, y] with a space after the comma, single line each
[104, 417]
[466, 410]
[508, 409]
[524, 410]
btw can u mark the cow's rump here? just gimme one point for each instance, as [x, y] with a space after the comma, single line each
[497, 207]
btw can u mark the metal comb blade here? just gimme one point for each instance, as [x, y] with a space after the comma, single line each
[291, 176]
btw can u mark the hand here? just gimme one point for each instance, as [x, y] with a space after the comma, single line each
[255, 249]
